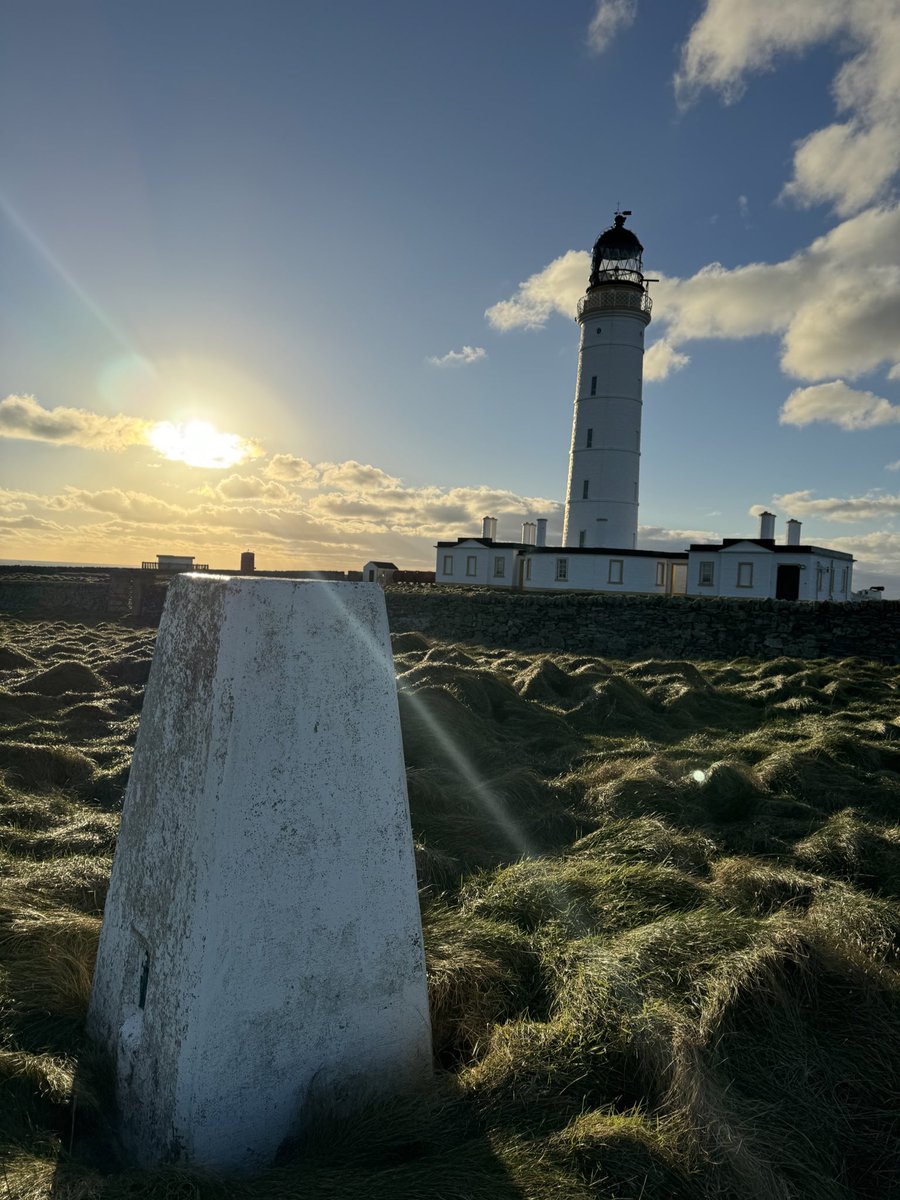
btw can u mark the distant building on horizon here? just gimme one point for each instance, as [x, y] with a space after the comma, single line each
[600, 551]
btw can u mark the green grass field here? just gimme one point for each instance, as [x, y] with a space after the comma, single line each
[661, 904]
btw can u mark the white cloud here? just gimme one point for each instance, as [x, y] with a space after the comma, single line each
[556, 288]
[459, 358]
[839, 404]
[835, 304]
[894, 466]
[23, 417]
[291, 469]
[656, 537]
[851, 162]
[609, 17]
[352, 476]
[879, 549]
[662, 359]
[872, 506]
[743, 207]
[196, 443]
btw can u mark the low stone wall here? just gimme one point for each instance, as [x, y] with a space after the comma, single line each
[626, 626]
[632, 626]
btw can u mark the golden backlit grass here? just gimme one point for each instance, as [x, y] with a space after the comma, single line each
[661, 904]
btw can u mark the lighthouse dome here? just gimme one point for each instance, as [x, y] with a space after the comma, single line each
[617, 255]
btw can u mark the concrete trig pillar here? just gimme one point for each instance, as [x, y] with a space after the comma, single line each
[261, 951]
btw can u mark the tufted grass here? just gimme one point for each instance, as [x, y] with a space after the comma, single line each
[661, 906]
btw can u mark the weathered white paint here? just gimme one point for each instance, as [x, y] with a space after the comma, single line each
[605, 452]
[261, 951]
[823, 574]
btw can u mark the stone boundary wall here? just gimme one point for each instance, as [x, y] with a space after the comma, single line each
[631, 626]
[626, 626]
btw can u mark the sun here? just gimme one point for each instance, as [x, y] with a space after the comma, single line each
[199, 444]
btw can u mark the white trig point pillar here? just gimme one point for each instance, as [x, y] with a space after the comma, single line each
[261, 953]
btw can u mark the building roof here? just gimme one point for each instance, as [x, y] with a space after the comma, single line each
[384, 565]
[528, 548]
[768, 544]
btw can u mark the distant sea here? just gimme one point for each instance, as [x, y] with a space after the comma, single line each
[44, 562]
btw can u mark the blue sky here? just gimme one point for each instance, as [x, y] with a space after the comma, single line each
[240, 241]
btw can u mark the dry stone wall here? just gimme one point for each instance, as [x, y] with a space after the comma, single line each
[632, 626]
[627, 626]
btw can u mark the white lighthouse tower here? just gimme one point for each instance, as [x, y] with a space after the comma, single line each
[604, 462]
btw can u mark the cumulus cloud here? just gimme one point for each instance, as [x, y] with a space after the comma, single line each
[354, 476]
[657, 537]
[609, 17]
[873, 505]
[195, 443]
[835, 304]
[291, 469]
[555, 288]
[23, 417]
[839, 404]
[879, 549]
[459, 358]
[662, 359]
[247, 487]
[848, 163]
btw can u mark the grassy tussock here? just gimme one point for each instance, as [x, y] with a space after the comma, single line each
[661, 906]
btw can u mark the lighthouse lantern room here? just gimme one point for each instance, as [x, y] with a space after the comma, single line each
[604, 460]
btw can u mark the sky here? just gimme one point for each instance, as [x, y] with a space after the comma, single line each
[300, 277]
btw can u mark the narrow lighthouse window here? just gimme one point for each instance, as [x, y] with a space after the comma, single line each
[582, 537]
[590, 438]
[593, 385]
[584, 489]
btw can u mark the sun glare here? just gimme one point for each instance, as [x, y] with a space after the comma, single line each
[198, 444]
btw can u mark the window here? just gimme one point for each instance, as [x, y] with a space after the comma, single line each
[843, 579]
[582, 537]
[616, 566]
[598, 328]
[660, 574]
[745, 575]
[471, 565]
[499, 566]
[584, 489]
[820, 575]
[371, 574]
[562, 568]
[593, 385]
[528, 568]
[705, 578]
[590, 438]
[448, 564]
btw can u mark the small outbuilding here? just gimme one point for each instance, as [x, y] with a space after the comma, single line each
[379, 572]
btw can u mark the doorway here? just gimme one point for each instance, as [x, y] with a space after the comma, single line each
[787, 582]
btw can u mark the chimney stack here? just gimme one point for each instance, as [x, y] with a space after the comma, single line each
[793, 532]
[528, 532]
[767, 525]
[489, 528]
[541, 537]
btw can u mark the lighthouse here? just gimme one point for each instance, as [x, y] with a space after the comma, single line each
[604, 460]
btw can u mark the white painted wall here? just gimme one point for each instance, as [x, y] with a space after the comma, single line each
[593, 572]
[485, 558]
[823, 575]
[612, 351]
[261, 950]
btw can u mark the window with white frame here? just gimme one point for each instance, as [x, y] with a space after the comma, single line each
[562, 568]
[472, 564]
[616, 568]
[745, 574]
[448, 564]
[705, 576]
[528, 568]
[660, 574]
[499, 566]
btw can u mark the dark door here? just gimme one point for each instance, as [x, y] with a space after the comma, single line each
[787, 582]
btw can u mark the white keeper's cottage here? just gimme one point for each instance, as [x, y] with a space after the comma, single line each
[600, 551]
